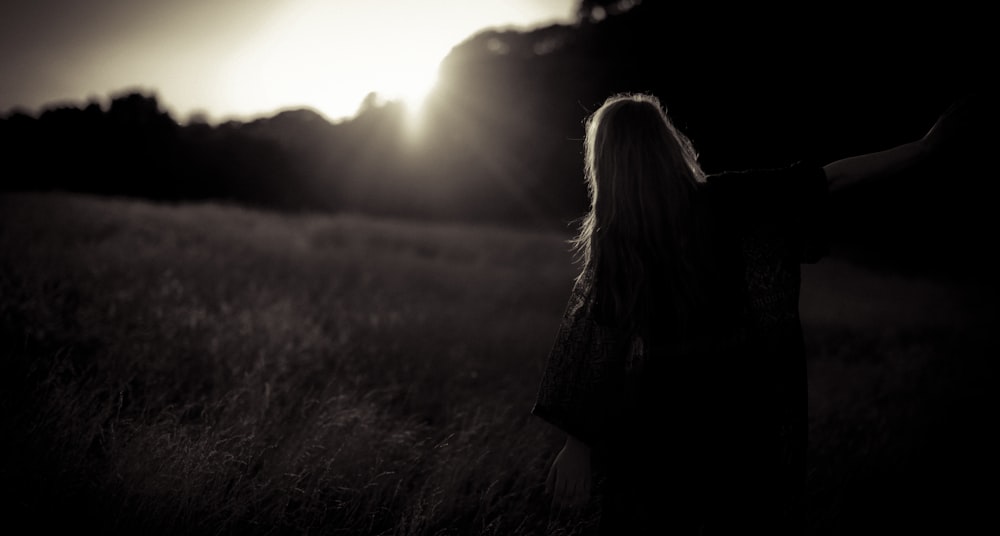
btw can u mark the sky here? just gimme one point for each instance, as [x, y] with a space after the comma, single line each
[240, 59]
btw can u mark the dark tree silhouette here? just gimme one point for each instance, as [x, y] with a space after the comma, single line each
[501, 134]
[597, 10]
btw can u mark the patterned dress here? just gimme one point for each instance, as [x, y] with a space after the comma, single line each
[703, 435]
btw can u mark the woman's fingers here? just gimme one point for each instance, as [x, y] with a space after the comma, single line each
[580, 494]
[953, 121]
[571, 493]
[567, 489]
[561, 494]
[550, 481]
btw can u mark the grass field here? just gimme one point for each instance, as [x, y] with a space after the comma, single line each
[205, 369]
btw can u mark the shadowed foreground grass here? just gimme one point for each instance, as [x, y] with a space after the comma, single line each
[203, 369]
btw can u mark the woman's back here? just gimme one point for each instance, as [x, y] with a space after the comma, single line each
[679, 353]
[722, 409]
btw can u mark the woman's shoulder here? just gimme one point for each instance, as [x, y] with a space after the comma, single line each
[781, 185]
[790, 202]
[757, 176]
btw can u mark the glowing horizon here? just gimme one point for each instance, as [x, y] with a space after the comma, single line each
[242, 59]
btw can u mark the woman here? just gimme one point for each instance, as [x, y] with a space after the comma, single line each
[678, 371]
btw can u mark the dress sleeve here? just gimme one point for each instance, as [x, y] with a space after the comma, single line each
[792, 200]
[584, 377]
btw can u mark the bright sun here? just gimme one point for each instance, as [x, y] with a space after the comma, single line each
[410, 84]
[305, 59]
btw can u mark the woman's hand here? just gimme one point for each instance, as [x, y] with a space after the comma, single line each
[569, 477]
[949, 126]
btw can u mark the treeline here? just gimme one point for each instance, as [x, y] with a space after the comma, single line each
[500, 139]
[133, 148]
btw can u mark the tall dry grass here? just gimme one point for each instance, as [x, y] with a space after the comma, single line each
[207, 369]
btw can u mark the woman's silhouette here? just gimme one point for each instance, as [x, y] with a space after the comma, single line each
[678, 371]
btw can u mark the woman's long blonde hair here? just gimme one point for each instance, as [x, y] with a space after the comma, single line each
[640, 240]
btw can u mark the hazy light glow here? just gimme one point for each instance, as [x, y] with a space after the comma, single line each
[241, 59]
[295, 59]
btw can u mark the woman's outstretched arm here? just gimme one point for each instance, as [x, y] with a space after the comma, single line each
[872, 166]
[866, 167]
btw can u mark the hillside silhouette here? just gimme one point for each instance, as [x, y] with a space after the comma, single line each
[500, 137]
